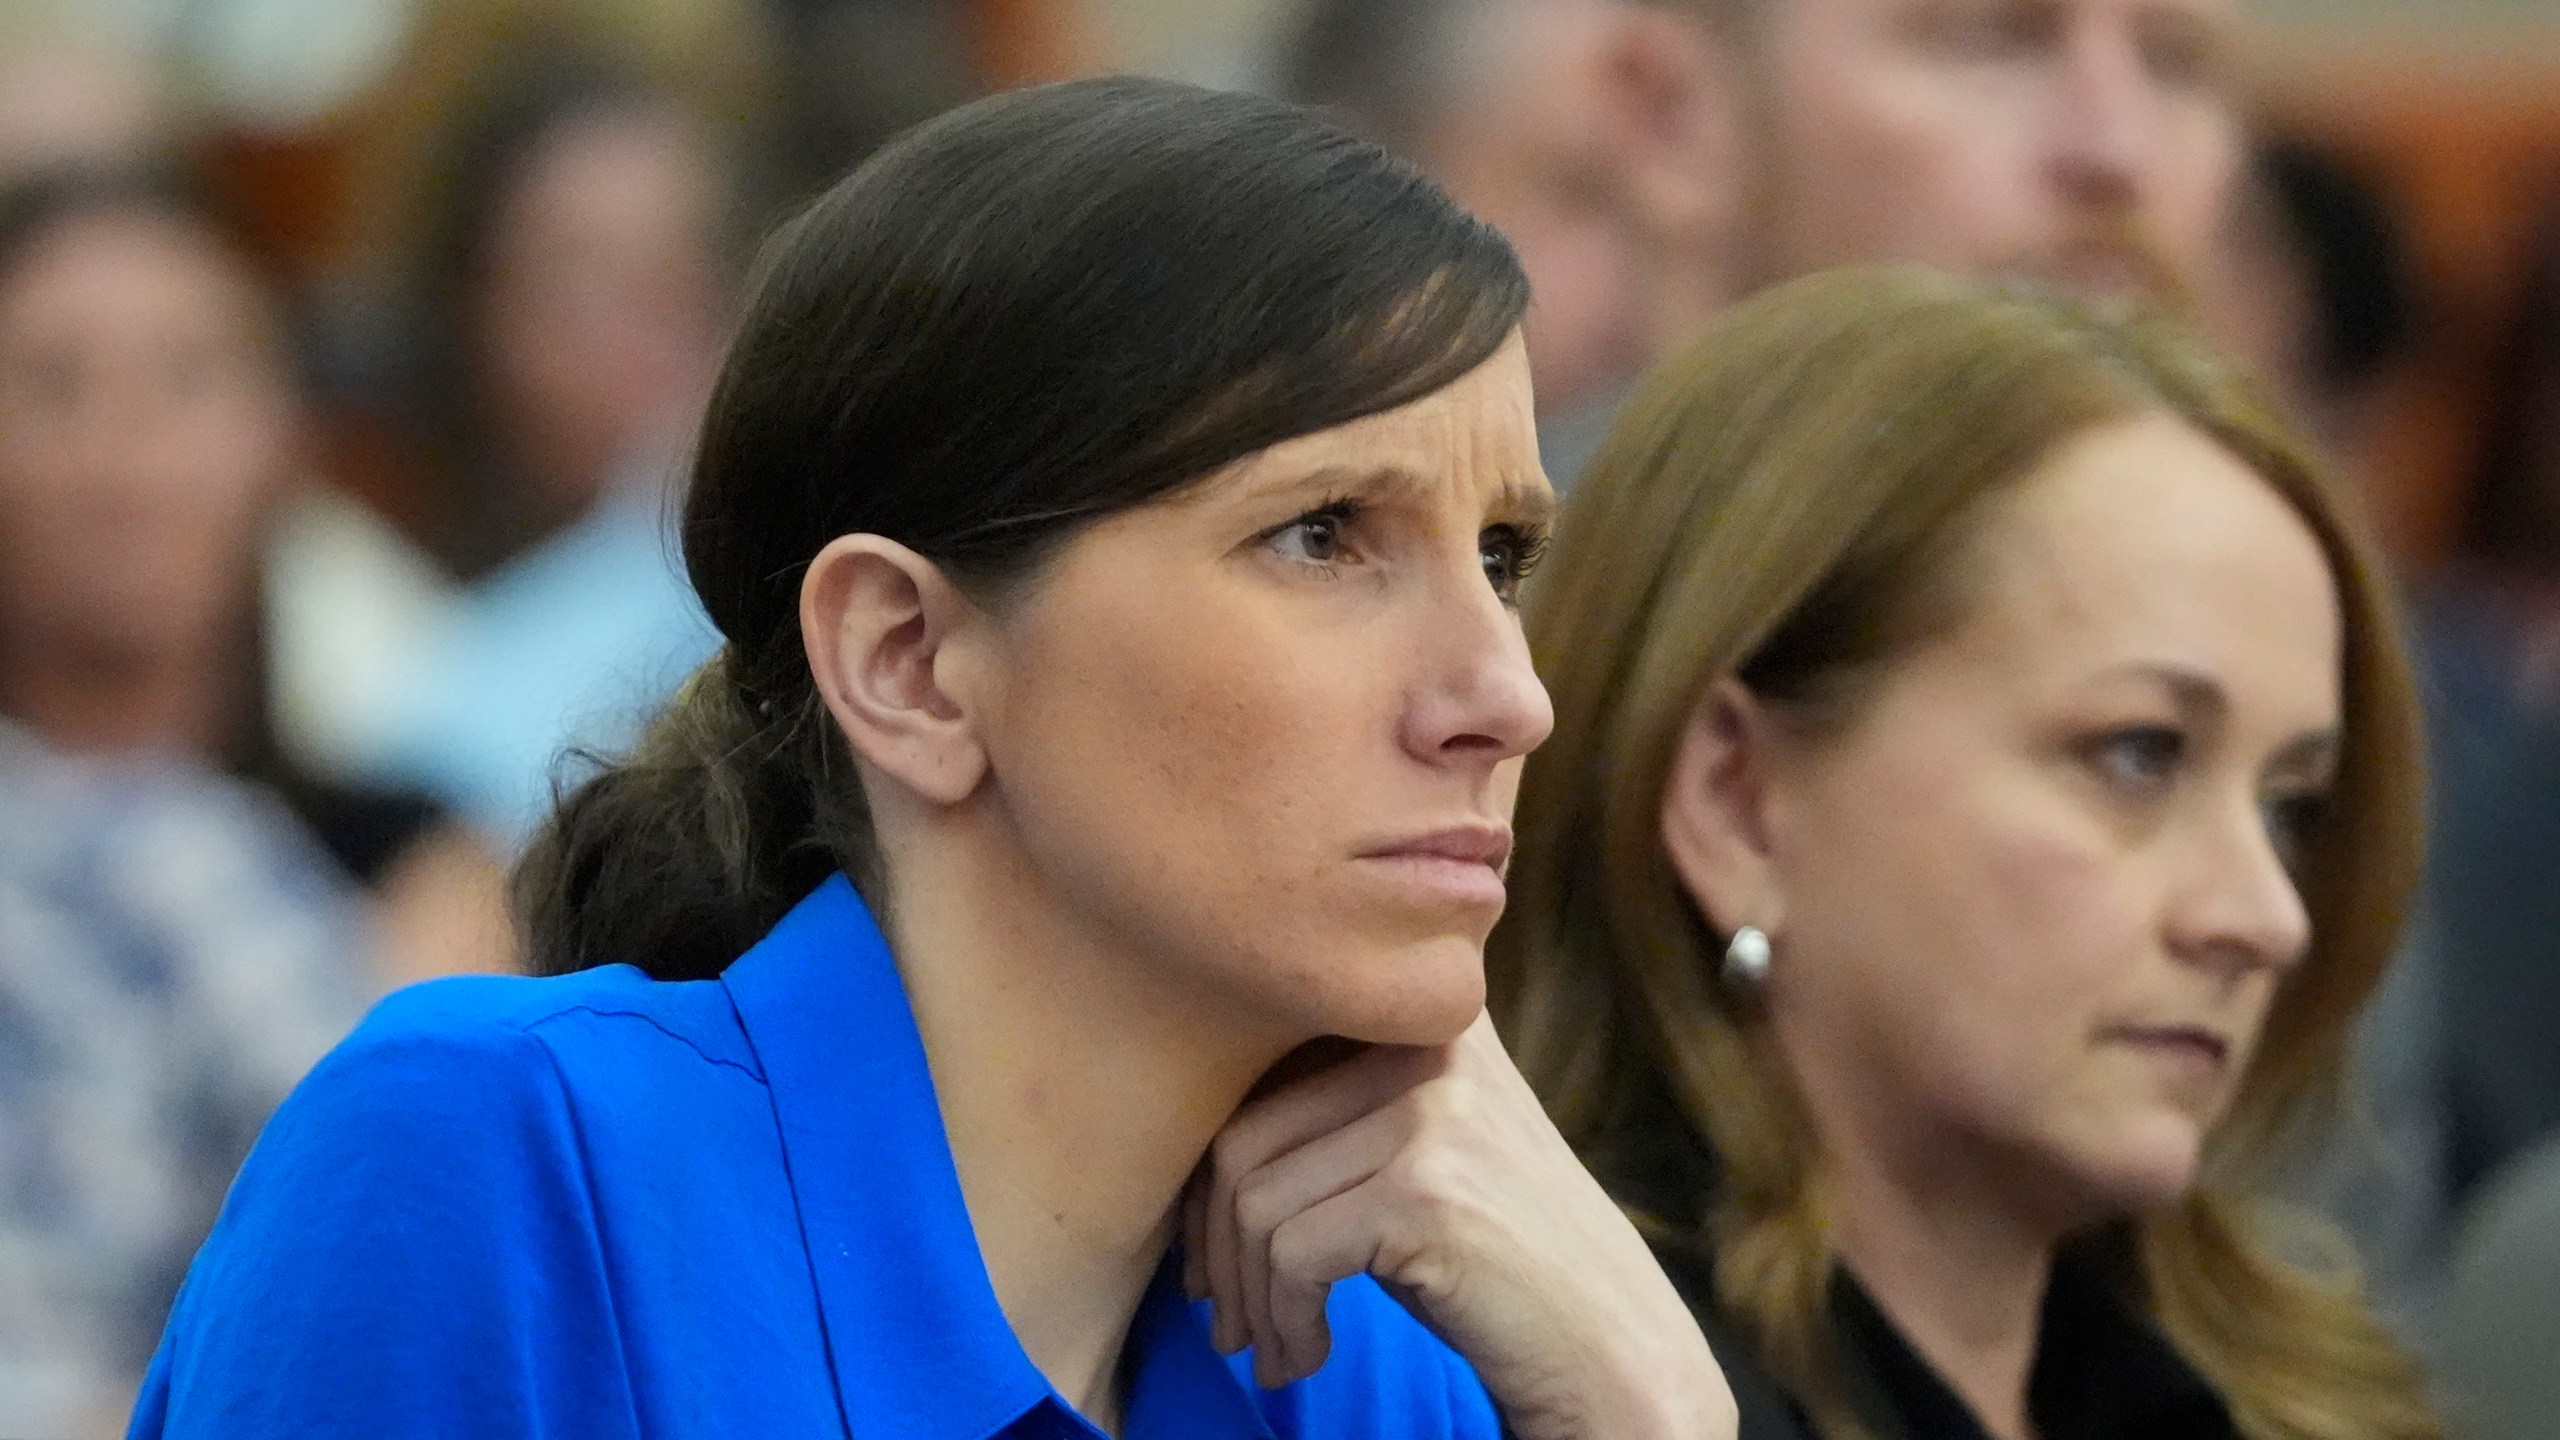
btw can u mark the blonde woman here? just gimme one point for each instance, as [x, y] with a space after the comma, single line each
[1984, 789]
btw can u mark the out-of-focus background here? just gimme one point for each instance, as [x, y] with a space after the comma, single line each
[349, 351]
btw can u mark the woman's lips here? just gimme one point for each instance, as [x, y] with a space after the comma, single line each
[2195, 1046]
[1462, 862]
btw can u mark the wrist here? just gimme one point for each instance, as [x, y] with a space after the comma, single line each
[1668, 1386]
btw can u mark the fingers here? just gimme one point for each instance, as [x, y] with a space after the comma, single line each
[1283, 1311]
[1269, 1128]
[1310, 1252]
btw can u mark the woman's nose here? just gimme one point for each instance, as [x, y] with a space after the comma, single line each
[2243, 909]
[1478, 700]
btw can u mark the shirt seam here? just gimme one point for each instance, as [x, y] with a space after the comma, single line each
[600, 1012]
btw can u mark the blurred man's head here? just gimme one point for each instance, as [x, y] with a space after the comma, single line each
[1582, 128]
[1652, 158]
[2088, 141]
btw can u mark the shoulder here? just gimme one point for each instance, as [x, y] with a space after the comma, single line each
[1388, 1376]
[435, 1186]
[488, 1074]
[593, 1018]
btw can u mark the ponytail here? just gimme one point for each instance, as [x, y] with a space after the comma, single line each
[685, 852]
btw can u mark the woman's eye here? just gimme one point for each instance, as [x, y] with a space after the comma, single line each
[1315, 538]
[2140, 757]
[1509, 554]
[2290, 819]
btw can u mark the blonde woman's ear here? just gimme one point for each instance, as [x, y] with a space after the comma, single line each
[1715, 805]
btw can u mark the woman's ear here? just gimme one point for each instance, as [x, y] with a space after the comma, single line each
[1679, 95]
[1715, 810]
[878, 622]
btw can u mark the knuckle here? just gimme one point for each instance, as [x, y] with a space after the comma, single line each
[1259, 1207]
[1295, 1255]
[1428, 1183]
[1442, 1107]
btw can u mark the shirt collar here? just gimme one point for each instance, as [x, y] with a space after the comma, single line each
[918, 1343]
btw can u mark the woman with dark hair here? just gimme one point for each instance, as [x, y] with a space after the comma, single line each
[1113, 508]
[565, 308]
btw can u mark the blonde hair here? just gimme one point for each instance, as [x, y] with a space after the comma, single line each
[1782, 503]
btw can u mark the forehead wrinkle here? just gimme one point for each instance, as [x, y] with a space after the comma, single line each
[1518, 500]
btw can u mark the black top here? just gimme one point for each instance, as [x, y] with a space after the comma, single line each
[2103, 1369]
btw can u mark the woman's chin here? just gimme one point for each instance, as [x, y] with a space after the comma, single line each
[1425, 993]
[2150, 1164]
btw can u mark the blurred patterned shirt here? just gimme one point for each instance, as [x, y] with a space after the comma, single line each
[174, 953]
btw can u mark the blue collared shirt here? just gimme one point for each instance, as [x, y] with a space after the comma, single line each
[604, 1206]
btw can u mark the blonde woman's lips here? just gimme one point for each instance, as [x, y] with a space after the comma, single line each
[2192, 1046]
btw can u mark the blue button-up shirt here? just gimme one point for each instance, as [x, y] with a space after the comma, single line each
[607, 1206]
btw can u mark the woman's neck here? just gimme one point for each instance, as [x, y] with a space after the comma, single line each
[1078, 1099]
[1959, 1273]
[106, 701]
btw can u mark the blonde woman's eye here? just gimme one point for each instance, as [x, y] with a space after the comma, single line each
[2290, 821]
[2139, 757]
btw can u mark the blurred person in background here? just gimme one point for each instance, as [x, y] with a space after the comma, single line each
[568, 302]
[151, 425]
[2499, 599]
[174, 953]
[2313, 288]
[564, 308]
[2491, 620]
[1585, 130]
[175, 949]
[2090, 142]
[70, 96]
[1984, 789]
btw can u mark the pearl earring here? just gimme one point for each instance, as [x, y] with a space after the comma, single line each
[1746, 960]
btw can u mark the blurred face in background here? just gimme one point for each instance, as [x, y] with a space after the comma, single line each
[147, 419]
[602, 309]
[1579, 135]
[2033, 897]
[2091, 142]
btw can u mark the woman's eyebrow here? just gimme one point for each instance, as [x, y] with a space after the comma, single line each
[2198, 696]
[1519, 501]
